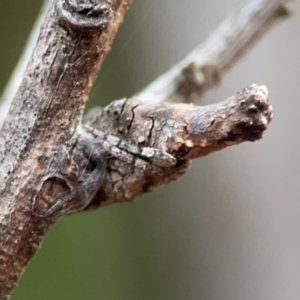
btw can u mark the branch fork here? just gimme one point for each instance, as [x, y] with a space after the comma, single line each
[52, 164]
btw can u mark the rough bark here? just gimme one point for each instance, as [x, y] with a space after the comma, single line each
[52, 165]
[40, 129]
[176, 133]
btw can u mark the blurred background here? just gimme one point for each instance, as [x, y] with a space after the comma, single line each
[227, 230]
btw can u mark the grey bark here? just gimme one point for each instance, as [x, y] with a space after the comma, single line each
[53, 165]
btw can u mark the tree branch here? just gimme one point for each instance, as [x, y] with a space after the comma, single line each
[40, 130]
[52, 165]
[203, 68]
[184, 131]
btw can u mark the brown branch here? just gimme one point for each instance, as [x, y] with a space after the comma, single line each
[203, 68]
[184, 131]
[40, 129]
[51, 165]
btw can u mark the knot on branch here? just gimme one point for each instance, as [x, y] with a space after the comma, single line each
[89, 14]
[194, 81]
[242, 117]
[255, 112]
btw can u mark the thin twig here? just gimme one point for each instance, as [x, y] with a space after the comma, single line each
[203, 68]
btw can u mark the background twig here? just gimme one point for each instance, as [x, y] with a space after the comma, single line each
[203, 68]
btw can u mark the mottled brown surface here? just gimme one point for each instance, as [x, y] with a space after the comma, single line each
[184, 131]
[51, 165]
[40, 131]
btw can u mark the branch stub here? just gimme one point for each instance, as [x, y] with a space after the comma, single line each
[86, 14]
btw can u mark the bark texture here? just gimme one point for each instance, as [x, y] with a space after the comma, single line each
[40, 130]
[176, 133]
[53, 165]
